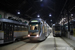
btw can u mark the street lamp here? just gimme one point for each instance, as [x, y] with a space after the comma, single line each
[38, 15]
[41, 0]
[50, 15]
[18, 12]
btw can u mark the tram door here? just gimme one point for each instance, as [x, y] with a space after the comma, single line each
[8, 32]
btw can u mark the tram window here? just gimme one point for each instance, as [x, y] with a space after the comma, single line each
[18, 28]
[15, 27]
[43, 29]
[72, 26]
[34, 26]
[0, 16]
[0, 26]
[23, 28]
[57, 28]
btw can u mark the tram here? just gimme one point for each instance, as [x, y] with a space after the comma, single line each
[11, 30]
[38, 29]
[56, 30]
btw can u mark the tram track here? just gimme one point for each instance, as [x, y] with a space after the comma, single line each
[33, 48]
[27, 43]
[55, 44]
[68, 43]
[19, 46]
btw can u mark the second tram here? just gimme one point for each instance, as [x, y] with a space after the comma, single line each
[57, 30]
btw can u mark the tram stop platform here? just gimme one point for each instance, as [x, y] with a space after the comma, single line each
[69, 41]
[51, 43]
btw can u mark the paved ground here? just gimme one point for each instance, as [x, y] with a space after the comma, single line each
[51, 43]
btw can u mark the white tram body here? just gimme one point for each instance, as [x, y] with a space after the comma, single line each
[38, 29]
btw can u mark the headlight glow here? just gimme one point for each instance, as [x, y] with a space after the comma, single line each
[37, 35]
[28, 35]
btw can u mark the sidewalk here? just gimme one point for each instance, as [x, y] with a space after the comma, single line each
[69, 41]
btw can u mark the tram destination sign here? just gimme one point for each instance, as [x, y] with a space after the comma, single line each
[34, 21]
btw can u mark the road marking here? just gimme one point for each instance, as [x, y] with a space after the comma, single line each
[55, 44]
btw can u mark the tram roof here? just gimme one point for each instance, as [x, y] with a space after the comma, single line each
[11, 21]
[39, 19]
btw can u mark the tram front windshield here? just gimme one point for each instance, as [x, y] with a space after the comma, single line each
[34, 27]
[57, 28]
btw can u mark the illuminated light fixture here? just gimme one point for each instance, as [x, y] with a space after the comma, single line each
[50, 15]
[18, 12]
[38, 15]
[41, 0]
[34, 21]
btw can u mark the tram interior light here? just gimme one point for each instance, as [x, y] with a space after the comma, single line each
[37, 25]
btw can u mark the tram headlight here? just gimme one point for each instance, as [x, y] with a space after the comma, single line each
[37, 35]
[28, 35]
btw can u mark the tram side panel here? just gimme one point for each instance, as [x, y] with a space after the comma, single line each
[7, 30]
[46, 31]
[20, 32]
[1, 36]
[6, 34]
